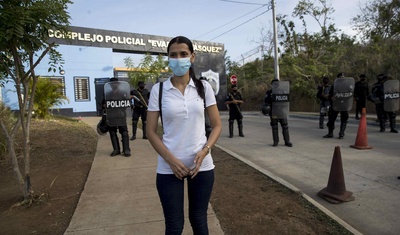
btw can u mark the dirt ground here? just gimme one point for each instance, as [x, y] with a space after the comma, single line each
[245, 201]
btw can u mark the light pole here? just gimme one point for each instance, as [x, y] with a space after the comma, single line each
[275, 40]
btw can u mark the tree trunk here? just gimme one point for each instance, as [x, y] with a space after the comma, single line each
[15, 166]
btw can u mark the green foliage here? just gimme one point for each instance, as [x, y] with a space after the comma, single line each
[23, 44]
[23, 31]
[47, 96]
[7, 118]
[378, 20]
[306, 56]
[149, 69]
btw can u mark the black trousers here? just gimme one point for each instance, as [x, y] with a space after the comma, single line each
[360, 104]
[139, 113]
[344, 116]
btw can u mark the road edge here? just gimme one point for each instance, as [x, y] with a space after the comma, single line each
[294, 189]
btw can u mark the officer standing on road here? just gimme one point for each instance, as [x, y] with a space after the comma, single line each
[140, 99]
[234, 101]
[384, 115]
[323, 96]
[116, 119]
[332, 115]
[361, 92]
[268, 99]
[375, 99]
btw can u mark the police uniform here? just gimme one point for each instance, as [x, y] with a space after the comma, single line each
[274, 122]
[332, 116]
[140, 99]
[384, 115]
[234, 100]
[323, 96]
[361, 92]
[123, 130]
[374, 99]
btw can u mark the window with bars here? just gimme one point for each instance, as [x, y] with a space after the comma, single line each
[81, 86]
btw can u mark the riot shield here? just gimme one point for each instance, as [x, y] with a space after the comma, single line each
[117, 100]
[343, 91]
[280, 99]
[391, 95]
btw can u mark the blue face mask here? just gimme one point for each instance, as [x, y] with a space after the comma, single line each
[179, 66]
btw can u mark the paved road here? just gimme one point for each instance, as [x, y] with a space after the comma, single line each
[370, 174]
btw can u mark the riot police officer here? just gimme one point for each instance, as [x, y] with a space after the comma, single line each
[140, 99]
[234, 101]
[332, 115]
[380, 106]
[361, 92]
[323, 96]
[117, 119]
[268, 99]
[374, 99]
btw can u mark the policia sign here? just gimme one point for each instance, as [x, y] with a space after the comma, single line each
[280, 99]
[117, 100]
[111, 104]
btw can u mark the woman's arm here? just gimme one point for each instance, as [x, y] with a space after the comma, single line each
[177, 167]
[215, 120]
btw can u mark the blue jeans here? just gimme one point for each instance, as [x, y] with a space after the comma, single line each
[171, 192]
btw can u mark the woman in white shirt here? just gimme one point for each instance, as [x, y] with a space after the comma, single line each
[183, 151]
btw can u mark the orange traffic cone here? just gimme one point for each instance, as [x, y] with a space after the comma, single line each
[362, 139]
[336, 192]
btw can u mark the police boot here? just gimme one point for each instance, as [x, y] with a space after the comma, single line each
[134, 128]
[285, 133]
[125, 144]
[144, 130]
[275, 135]
[230, 129]
[240, 127]
[382, 124]
[330, 133]
[321, 121]
[115, 144]
[342, 129]
[393, 125]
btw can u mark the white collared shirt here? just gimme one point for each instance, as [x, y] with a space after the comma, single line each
[183, 123]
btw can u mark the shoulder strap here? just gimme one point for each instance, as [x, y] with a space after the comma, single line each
[204, 92]
[159, 100]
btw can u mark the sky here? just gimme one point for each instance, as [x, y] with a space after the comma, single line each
[236, 24]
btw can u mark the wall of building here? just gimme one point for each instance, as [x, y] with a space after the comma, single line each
[88, 62]
[91, 53]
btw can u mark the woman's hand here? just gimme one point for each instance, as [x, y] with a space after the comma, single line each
[198, 160]
[178, 168]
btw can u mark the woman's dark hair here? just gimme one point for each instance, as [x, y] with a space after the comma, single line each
[197, 82]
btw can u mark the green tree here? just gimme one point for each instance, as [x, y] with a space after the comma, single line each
[378, 23]
[149, 69]
[307, 56]
[307, 52]
[23, 44]
[47, 95]
[378, 20]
